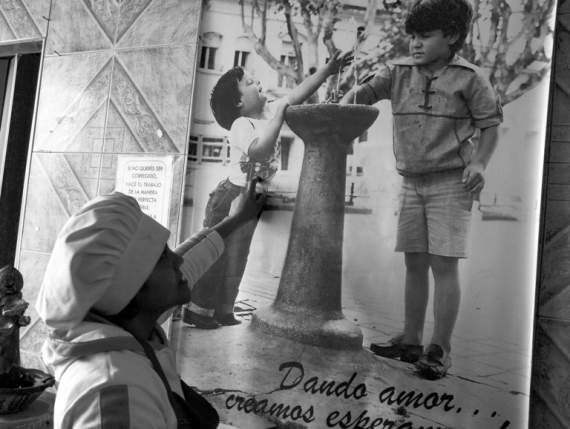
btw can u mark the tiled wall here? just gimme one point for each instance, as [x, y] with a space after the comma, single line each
[23, 19]
[550, 389]
[117, 78]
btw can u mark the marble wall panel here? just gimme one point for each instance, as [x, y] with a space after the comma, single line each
[32, 360]
[556, 217]
[149, 96]
[32, 266]
[59, 185]
[117, 79]
[73, 102]
[560, 133]
[554, 290]
[158, 22]
[559, 192]
[559, 174]
[39, 11]
[81, 25]
[550, 390]
[23, 19]
[561, 107]
[34, 337]
[560, 152]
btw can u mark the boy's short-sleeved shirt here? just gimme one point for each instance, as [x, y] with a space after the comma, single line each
[435, 116]
[243, 133]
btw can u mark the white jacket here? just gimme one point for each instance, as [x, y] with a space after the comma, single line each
[104, 378]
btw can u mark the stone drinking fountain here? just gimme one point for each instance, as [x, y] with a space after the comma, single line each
[308, 306]
[19, 387]
[300, 362]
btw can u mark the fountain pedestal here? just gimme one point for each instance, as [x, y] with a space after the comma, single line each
[308, 305]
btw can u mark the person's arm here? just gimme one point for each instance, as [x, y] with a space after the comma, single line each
[311, 84]
[204, 248]
[473, 177]
[265, 143]
[245, 207]
[362, 97]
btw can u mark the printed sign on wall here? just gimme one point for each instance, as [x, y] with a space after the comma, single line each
[149, 181]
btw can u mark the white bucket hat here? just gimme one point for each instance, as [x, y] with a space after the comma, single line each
[101, 258]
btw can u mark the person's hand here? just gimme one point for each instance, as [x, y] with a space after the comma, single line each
[248, 204]
[473, 178]
[337, 63]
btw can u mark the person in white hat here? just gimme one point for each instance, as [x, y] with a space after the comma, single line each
[110, 278]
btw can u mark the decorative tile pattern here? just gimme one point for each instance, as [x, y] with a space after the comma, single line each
[32, 266]
[554, 293]
[81, 25]
[73, 102]
[34, 338]
[39, 11]
[146, 96]
[105, 99]
[21, 19]
[59, 185]
[551, 376]
[550, 389]
[32, 360]
[158, 22]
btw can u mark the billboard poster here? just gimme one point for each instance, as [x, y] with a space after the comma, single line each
[336, 323]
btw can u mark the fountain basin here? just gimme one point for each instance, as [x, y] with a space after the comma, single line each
[323, 121]
[17, 399]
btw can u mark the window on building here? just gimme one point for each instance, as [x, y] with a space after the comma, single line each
[243, 48]
[208, 149]
[210, 43]
[240, 59]
[208, 58]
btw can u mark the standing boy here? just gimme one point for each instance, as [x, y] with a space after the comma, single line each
[438, 101]
[240, 106]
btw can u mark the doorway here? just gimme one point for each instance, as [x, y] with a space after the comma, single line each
[18, 84]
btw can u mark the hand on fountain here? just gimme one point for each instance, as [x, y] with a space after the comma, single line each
[337, 63]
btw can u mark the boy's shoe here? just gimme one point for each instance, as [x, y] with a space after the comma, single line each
[227, 319]
[431, 364]
[394, 349]
[199, 321]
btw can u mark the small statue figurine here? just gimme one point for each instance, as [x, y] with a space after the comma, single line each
[12, 308]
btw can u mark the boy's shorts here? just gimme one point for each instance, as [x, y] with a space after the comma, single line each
[435, 215]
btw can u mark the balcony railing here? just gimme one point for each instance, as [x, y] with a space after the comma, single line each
[209, 149]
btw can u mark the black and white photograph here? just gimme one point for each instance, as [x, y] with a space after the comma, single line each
[262, 214]
[362, 303]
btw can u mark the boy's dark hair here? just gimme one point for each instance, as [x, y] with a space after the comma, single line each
[225, 97]
[450, 16]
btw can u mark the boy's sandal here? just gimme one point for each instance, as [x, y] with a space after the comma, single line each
[198, 320]
[394, 349]
[431, 364]
[227, 319]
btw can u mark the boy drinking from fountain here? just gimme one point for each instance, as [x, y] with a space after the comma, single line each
[240, 106]
[438, 101]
